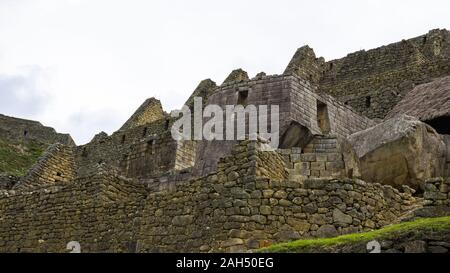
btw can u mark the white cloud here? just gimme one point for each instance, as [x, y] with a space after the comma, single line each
[24, 92]
[113, 54]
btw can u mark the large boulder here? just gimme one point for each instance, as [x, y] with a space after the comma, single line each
[399, 151]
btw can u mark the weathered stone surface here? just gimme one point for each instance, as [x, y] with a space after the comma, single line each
[327, 231]
[415, 247]
[399, 151]
[182, 220]
[150, 111]
[340, 217]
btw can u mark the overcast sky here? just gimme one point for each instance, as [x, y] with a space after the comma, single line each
[84, 66]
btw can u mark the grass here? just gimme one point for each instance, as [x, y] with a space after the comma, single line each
[17, 158]
[392, 231]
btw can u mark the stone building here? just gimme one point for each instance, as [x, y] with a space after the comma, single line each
[363, 144]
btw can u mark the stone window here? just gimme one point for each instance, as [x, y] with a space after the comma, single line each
[368, 101]
[242, 98]
[123, 139]
[151, 146]
[323, 119]
[84, 153]
[25, 133]
[144, 133]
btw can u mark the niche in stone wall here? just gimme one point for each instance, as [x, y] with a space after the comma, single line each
[242, 97]
[296, 135]
[144, 133]
[151, 146]
[368, 101]
[323, 120]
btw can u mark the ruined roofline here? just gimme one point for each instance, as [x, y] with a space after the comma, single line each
[306, 60]
[22, 120]
[33, 130]
[413, 39]
[282, 77]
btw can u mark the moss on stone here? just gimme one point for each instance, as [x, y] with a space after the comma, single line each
[418, 227]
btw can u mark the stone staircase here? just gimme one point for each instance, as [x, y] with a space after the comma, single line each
[319, 158]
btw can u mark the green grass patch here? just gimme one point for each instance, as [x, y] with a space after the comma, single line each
[17, 158]
[418, 226]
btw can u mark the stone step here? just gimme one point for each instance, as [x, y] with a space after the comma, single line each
[321, 157]
[320, 151]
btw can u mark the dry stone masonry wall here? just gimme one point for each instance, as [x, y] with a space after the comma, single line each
[19, 130]
[100, 211]
[138, 190]
[54, 167]
[374, 81]
[243, 206]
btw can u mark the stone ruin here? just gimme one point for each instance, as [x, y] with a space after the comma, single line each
[364, 143]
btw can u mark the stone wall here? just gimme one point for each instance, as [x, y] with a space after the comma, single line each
[100, 211]
[320, 158]
[374, 81]
[150, 111]
[242, 206]
[122, 148]
[150, 156]
[55, 166]
[185, 155]
[298, 102]
[304, 101]
[18, 130]
[7, 181]
[248, 203]
[437, 192]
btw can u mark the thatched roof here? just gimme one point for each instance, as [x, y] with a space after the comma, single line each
[426, 101]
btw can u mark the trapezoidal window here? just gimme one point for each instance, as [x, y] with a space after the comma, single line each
[242, 97]
[323, 119]
[368, 101]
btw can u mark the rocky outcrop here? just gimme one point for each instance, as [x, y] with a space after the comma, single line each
[399, 151]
